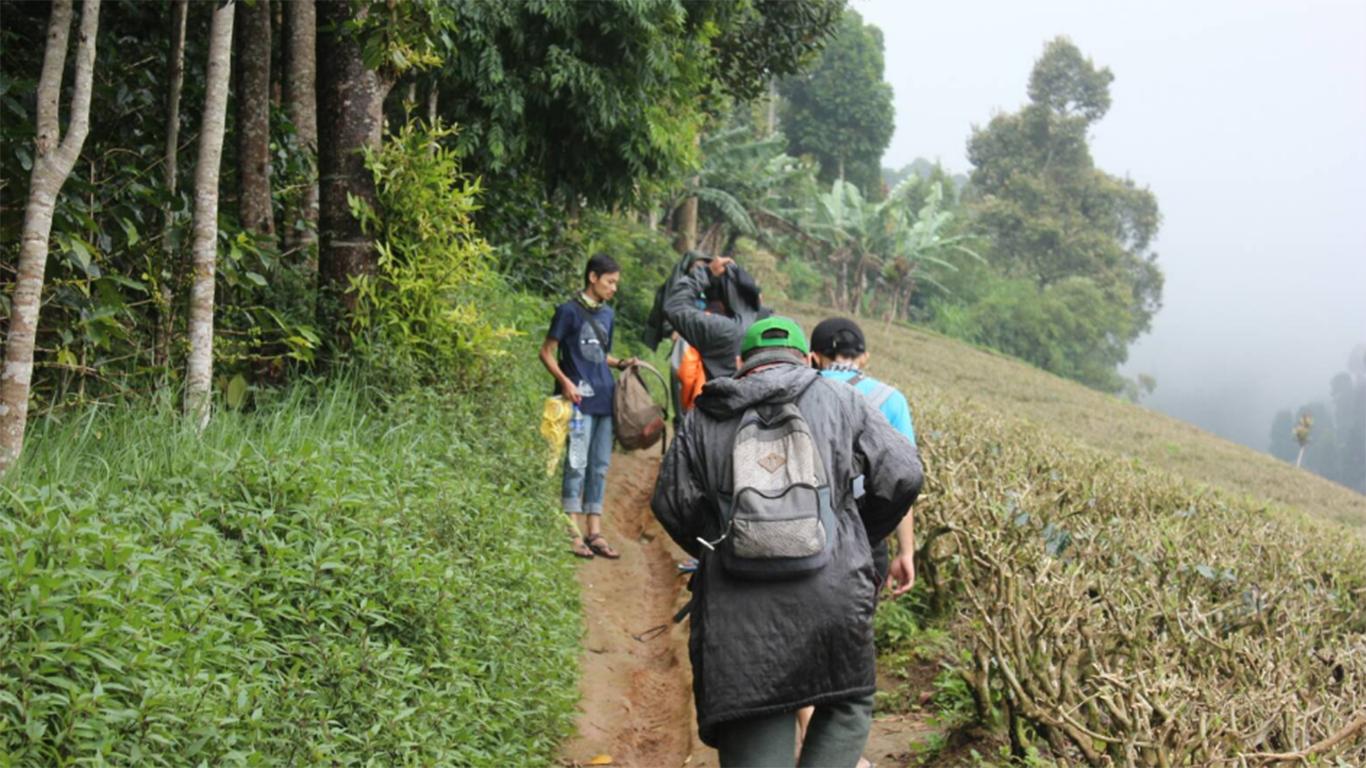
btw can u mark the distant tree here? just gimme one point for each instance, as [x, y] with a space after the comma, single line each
[1348, 398]
[199, 377]
[1302, 430]
[840, 110]
[1283, 435]
[54, 156]
[1053, 219]
[1139, 387]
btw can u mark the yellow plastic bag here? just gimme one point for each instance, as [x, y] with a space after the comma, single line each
[555, 430]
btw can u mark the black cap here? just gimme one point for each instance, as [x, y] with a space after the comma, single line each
[838, 337]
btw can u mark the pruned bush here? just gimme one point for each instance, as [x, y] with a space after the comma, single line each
[1116, 615]
[321, 581]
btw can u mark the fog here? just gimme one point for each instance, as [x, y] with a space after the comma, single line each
[1247, 119]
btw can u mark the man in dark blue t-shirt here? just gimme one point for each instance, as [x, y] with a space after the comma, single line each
[578, 352]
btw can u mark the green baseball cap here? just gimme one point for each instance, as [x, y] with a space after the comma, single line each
[774, 332]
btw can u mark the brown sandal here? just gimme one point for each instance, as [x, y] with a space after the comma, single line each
[580, 548]
[600, 546]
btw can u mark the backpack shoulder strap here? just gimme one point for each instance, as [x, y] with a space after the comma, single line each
[880, 394]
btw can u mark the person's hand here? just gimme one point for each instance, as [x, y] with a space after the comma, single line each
[901, 574]
[627, 363]
[717, 266]
[571, 393]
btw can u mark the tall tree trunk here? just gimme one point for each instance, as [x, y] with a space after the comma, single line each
[685, 226]
[54, 157]
[301, 101]
[277, 54]
[253, 117]
[351, 100]
[175, 76]
[431, 106]
[198, 394]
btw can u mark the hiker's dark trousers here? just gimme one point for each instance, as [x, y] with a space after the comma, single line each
[835, 738]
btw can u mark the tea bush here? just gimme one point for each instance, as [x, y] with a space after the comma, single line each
[1116, 615]
[329, 579]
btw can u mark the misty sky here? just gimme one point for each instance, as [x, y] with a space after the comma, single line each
[1246, 118]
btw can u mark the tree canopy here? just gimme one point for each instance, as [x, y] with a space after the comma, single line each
[600, 99]
[840, 111]
[1055, 220]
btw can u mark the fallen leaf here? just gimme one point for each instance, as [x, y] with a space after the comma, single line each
[600, 760]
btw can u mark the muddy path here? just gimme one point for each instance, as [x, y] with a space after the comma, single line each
[636, 697]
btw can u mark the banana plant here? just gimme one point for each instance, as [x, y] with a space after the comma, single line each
[739, 179]
[885, 248]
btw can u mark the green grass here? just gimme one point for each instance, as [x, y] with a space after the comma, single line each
[912, 358]
[328, 579]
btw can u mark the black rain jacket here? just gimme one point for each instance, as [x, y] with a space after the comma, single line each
[716, 337]
[762, 647]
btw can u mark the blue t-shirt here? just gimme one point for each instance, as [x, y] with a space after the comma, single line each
[582, 355]
[895, 407]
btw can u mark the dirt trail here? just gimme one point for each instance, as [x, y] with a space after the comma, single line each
[636, 697]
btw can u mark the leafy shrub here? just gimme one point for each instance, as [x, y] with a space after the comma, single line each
[423, 314]
[320, 581]
[1069, 328]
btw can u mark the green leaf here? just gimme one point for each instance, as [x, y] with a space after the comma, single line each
[236, 395]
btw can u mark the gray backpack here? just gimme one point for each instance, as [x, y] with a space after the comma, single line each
[777, 522]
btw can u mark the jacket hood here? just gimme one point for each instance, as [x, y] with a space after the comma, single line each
[782, 380]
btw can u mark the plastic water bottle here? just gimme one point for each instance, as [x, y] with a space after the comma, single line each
[578, 440]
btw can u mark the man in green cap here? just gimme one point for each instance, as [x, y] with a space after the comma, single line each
[760, 486]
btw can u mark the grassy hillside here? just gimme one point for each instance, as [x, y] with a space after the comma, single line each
[911, 358]
[1115, 586]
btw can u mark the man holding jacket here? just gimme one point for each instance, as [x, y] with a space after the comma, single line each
[762, 649]
[710, 301]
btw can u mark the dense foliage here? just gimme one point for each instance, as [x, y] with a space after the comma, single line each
[424, 314]
[333, 578]
[601, 101]
[118, 271]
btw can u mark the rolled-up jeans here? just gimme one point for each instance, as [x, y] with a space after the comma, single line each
[582, 489]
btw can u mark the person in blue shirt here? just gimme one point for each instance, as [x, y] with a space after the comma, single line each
[578, 353]
[839, 350]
